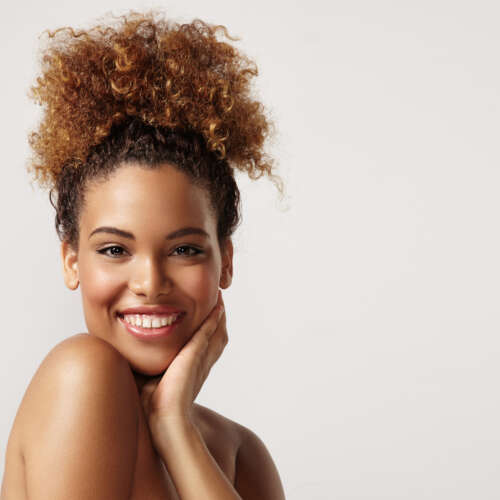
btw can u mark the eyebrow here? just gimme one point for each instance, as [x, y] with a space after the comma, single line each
[172, 236]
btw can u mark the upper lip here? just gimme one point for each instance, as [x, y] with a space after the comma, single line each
[150, 310]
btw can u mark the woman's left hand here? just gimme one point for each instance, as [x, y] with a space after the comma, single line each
[170, 397]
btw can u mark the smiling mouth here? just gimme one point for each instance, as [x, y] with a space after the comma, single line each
[150, 320]
[150, 326]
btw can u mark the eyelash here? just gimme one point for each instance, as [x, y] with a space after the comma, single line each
[103, 251]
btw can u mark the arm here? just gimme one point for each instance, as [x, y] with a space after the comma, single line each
[168, 407]
[196, 474]
[194, 471]
[168, 404]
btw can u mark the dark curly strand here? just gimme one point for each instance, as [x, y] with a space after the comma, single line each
[136, 142]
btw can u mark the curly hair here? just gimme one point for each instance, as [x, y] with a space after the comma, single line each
[153, 91]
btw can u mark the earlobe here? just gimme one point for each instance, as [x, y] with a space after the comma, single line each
[226, 276]
[70, 266]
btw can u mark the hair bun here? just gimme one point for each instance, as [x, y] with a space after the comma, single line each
[167, 74]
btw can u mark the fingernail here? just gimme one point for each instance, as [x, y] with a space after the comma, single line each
[221, 310]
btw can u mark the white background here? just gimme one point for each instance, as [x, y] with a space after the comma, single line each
[363, 319]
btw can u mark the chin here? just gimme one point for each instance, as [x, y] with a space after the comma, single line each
[149, 371]
[149, 367]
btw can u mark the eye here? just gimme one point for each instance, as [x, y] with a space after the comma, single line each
[187, 251]
[113, 251]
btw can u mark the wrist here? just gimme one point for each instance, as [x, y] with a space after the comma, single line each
[166, 426]
[171, 434]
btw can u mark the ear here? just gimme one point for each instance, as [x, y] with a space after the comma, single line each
[226, 275]
[70, 265]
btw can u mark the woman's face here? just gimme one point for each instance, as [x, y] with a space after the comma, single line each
[129, 255]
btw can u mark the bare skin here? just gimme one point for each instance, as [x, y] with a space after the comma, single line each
[50, 397]
[82, 426]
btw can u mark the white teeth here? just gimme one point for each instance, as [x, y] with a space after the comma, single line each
[148, 321]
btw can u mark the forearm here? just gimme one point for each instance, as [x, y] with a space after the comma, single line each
[194, 471]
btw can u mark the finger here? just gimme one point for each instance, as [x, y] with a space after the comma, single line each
[220, 300]
[219, 297]
[220, 329]
[210, 350]
[200, 340]
[220, 333]
[209, 327]
[217, 342]
[211, 341]
[209, 358]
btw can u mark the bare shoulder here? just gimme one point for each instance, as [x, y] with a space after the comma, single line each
[77, 356]
[255, 475]
[78, 406]
[83, 346]
[221, 436]
[214, 425]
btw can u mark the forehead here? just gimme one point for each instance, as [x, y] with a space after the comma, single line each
[135, 197]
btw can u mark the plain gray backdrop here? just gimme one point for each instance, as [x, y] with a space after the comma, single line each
[363, 318]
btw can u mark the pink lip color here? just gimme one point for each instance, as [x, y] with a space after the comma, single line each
[151, 333]
[150, 310]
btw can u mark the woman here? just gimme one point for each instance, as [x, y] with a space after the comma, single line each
[143, 123]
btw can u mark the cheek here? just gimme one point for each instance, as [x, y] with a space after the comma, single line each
[201, 284]
[99, 286]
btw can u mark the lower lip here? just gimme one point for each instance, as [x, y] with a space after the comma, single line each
[151, 333]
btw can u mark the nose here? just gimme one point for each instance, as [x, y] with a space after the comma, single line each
[149, 278]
